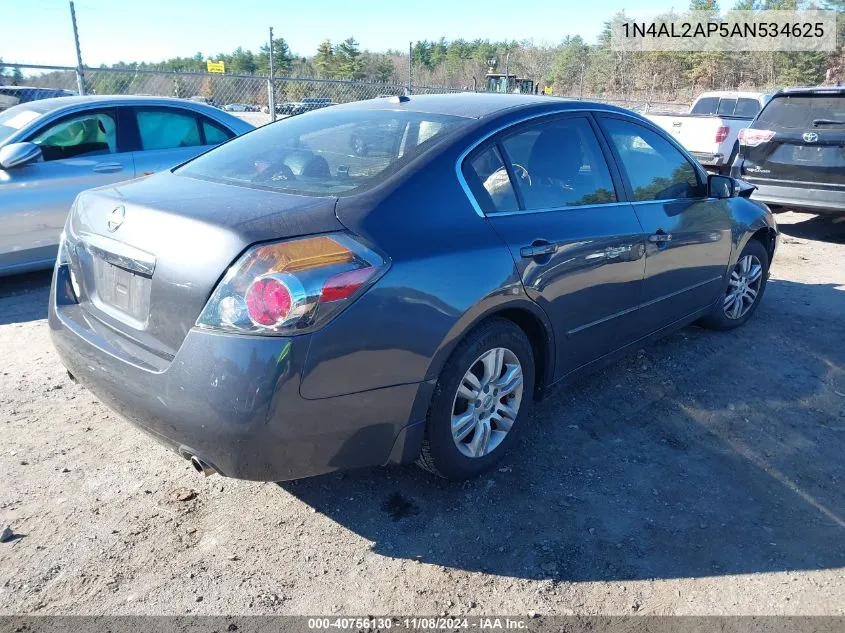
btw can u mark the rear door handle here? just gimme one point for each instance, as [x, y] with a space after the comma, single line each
[660, 237]
[538, 249]
[108, 168]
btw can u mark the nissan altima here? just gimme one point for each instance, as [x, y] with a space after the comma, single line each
[284, 306]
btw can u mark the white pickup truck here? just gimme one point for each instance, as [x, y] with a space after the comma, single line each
[710, 130]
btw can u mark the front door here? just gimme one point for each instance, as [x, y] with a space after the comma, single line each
[688, 235]
[80, 152]
[548, 191]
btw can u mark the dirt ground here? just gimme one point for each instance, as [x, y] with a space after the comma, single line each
[703, 475]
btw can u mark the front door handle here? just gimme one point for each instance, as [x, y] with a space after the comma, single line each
[108, 168]
[661, 237]
[538, 249]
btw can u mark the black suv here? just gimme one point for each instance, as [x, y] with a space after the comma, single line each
[794, 151]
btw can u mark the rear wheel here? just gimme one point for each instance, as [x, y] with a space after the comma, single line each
[480, 402]
[746, 283]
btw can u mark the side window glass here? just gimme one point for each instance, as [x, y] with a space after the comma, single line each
[559, 164]
[167, 129]
[82, 135]
[214, 134]
[655, 168]
[489, 181]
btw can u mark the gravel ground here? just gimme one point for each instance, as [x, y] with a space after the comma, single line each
[703, 475]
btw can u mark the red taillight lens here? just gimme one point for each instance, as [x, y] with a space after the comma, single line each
[752, 138]
[344, 285]
[722, 133]
[268, 301]
[292, 286]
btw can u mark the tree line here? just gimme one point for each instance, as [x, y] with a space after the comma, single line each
[570, 67]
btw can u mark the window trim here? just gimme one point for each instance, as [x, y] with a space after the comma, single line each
[697, 169]
[108, 110]
[495, 136]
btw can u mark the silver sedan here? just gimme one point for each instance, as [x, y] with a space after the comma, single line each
[52, 149]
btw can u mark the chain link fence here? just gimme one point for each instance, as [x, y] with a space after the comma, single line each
[246, 96]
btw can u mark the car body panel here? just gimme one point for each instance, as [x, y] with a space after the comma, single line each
[36, 197]
[356, 391]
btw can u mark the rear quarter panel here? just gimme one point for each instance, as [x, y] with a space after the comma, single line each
[449, 270]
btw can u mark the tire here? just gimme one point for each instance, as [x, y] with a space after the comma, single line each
[726, 314]
[441, 453]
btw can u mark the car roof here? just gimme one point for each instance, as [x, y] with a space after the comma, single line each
[61, 102]
[835, 90]
[471, 105]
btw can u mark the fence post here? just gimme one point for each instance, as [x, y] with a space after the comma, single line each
[410, 66]
[271, 85]
[80, 77]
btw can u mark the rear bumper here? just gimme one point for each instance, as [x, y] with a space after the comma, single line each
[234, 402]
[815, 200]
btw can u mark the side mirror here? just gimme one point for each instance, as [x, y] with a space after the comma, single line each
[721, 187]
[19, 154]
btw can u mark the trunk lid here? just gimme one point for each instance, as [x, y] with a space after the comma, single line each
[808, 146]
[147, 254]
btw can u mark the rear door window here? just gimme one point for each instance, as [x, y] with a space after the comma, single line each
[214, 133]
[559, 163]
[167, 128]
[490, 182]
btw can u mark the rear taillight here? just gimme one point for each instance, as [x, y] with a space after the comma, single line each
[722, 133]
[752, 138]
[293, 286]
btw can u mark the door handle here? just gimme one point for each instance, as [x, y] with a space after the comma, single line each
[108, 168]
[660, 237]
[538, 249]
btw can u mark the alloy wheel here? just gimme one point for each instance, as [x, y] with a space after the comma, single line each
[487, 402]
[743, 287]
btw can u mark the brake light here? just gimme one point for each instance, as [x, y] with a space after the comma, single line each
[721, 133]
[293, 286]
[752, 138]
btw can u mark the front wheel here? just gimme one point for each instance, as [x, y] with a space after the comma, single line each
[480, 402]
[744, 290]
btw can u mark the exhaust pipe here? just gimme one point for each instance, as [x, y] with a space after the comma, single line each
[202, 467]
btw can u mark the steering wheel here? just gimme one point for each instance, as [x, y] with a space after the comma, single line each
[274, 174]
[522, 173]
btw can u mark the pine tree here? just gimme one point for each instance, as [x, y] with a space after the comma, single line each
[324, 60]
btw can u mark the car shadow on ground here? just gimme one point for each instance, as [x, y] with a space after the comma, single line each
[705, 454]
[24, 297]
[824, 228]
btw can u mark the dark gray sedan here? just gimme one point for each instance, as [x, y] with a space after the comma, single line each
[284, 306]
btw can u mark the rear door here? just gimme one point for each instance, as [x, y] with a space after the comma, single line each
[548, 189]
[688, 235]
[805, 146]
[81, 151]
[168, 136]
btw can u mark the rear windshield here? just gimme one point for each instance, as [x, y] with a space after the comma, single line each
[803, 111]
[324, 152]
[727, 106]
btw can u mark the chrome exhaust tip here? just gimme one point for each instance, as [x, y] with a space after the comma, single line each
[201, 467]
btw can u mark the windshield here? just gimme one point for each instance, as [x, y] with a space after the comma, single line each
[327, 152]
[801, 111]
[14, 119]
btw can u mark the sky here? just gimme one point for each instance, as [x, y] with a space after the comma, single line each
[39, 31]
